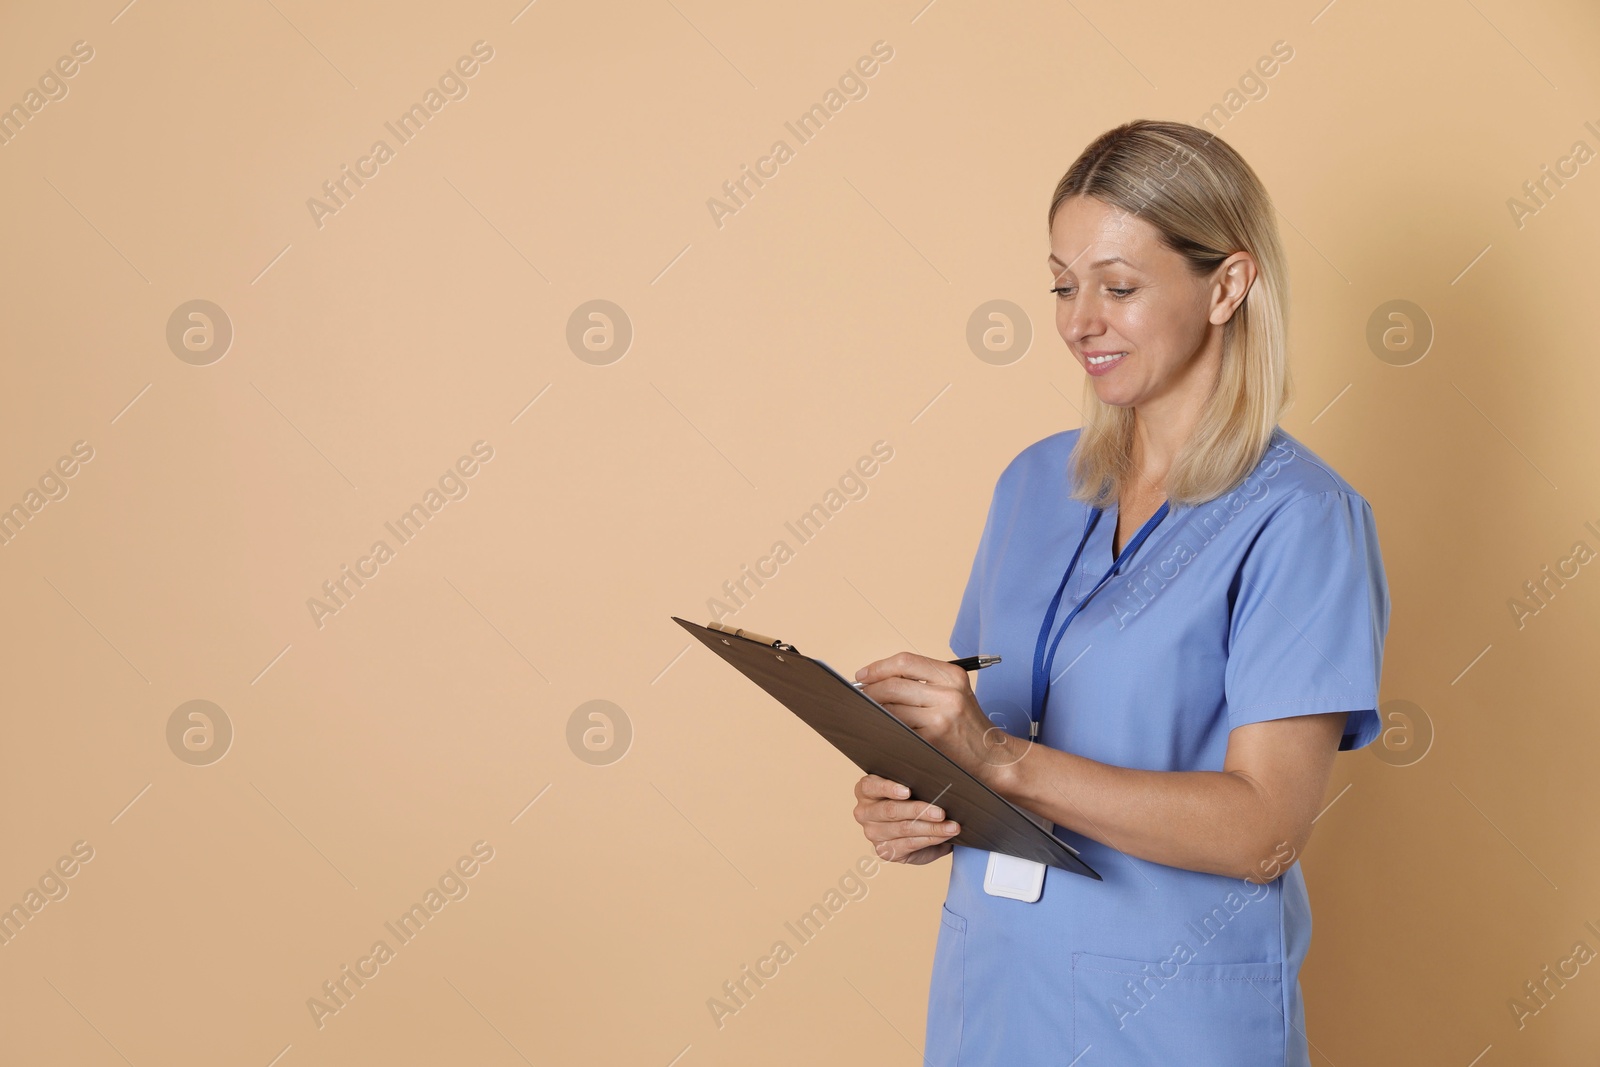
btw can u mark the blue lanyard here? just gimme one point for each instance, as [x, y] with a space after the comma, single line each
[1043, 662]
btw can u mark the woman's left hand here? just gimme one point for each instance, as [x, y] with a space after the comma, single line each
[935, 699]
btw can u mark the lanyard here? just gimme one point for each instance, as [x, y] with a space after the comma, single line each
[1041, 661]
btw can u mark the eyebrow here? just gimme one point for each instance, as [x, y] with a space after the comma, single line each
[1093, 266]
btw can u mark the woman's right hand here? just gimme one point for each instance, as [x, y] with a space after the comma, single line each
[901, 829]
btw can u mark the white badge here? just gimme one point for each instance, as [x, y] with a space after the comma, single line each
[1013, 877]
[1018, 879]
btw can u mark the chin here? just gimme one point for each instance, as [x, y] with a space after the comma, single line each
[1113, 397]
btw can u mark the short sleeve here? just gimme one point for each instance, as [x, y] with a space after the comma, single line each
[1310, 617]
[964, 634]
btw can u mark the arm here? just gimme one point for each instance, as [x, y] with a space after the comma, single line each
[1237, 821]
[1241, 821]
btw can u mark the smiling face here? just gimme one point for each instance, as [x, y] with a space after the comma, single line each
[1119, 289]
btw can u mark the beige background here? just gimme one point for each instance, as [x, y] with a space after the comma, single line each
[768, 355]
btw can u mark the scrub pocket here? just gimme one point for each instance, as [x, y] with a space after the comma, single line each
[943, 1044]
[1205, 1013]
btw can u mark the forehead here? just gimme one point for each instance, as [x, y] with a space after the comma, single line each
[1088, 234]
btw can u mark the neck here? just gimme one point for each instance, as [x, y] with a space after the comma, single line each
[1162, 425]
[1156, 442]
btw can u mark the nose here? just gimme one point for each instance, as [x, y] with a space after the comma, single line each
[1079, 317]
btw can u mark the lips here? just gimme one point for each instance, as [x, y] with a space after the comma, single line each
[1098, 363]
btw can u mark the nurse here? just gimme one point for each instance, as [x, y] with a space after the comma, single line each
[1191, 609]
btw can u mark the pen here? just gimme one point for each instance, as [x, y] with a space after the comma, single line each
[966, 663]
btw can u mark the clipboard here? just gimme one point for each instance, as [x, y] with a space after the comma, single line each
[878, 743]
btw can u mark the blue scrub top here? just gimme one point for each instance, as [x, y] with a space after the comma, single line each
[1265, 603]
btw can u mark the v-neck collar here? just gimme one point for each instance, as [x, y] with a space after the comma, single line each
[1109, 519]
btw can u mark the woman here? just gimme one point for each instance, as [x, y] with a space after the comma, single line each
[1191, 609]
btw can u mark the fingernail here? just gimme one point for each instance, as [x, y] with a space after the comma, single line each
[949, 827]
[935, 814]
[862, 673]
[902, 791]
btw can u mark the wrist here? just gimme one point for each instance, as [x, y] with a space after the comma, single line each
[1002, 760]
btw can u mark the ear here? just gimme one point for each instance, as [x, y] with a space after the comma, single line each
[1231, 281]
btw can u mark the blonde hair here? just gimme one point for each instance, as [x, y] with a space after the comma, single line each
[1207, 204]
